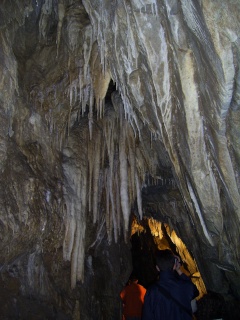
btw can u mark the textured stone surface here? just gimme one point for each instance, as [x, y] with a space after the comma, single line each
[109, 108]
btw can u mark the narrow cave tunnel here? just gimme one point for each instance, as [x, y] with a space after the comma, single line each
[120, 134]
[149, 235]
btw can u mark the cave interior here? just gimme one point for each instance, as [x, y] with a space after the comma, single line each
[120, 135]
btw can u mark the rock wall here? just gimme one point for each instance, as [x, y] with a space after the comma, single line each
[110, 108]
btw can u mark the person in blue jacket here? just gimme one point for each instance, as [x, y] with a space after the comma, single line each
[170, 297]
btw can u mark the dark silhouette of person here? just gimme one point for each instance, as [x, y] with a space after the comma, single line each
[170, 297]
[212, 306]
[132, 297]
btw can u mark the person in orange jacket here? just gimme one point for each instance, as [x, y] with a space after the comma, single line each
[132, 297]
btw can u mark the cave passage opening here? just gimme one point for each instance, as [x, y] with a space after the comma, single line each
[149, 235]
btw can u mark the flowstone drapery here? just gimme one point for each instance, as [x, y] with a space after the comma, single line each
[109, 109]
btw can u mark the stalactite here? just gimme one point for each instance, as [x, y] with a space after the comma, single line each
[114, 213]
[96, 172]
[61, 13]
[74, 256]
[139, 196]
[90, 166]
[81, 248]
[107, 212]
[132, 167]
[119, 183]
[117, 197]
[108, 136]
[81, 252]
[69, 234]
[74, 242]
[90, 114]
[124, 181]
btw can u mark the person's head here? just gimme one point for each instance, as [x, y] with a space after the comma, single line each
[165, 260]
[133, 279]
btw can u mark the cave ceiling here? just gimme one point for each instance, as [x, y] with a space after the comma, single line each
[110, 108]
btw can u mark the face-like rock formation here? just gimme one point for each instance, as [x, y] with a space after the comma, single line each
[110, 109]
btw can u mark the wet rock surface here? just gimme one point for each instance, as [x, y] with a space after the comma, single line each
[110, 109]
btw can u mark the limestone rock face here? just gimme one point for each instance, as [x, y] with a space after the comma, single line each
[108, 109]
